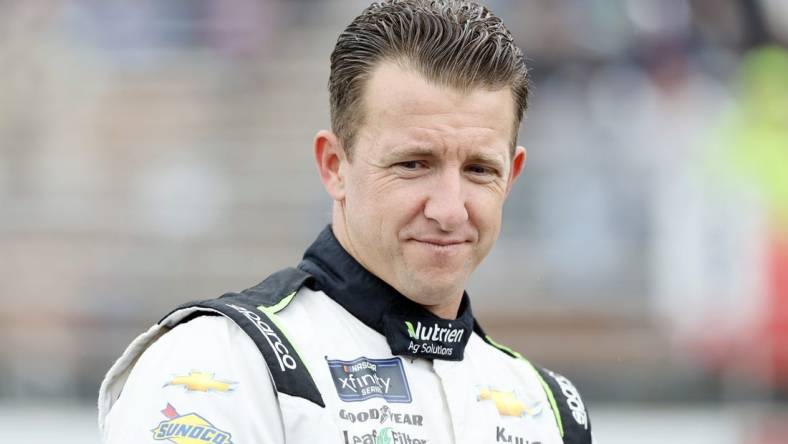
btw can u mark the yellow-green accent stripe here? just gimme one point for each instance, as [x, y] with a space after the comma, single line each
[504, 348]
[553, 404]
[271, 313]
[278, 306]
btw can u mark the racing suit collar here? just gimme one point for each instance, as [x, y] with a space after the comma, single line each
[409, 328]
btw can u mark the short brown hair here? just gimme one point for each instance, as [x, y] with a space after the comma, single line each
[456, 43]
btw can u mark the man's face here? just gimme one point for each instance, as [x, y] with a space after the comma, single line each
[421, 201]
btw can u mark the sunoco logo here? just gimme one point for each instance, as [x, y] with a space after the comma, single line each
[365, 378]
[190, 428]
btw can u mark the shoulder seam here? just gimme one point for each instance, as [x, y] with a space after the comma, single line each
[279, 306]
[254, 310]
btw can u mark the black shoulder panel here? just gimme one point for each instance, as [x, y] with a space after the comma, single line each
[574, 416]
[289, 373]
[267, 293]
[274, 288]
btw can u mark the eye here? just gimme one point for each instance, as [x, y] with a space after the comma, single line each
[482, 170]
[409, 165]
[411, 168]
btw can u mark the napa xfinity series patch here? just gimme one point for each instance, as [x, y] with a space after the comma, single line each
[190, 428]
[365, 378]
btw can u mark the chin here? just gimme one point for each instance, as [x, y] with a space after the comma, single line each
[428, 291]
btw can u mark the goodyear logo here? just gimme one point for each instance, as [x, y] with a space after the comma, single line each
[507, 403]
[201, 382]
[188, 429]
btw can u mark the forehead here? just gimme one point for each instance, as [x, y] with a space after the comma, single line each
[397, 97]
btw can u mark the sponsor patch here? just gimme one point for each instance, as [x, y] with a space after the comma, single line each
[508, 404]
[365, 378]
[190, 428]
[201, 382]
[383, 415]
[428, 338]
[433, 340]
[501, 435]
[434, 332]
[386, 435]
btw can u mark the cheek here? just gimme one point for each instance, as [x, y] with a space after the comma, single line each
[381, 207]
[397, 199]
[400, 209]
[485, 210]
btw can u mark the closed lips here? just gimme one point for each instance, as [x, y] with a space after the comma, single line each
[441, 242]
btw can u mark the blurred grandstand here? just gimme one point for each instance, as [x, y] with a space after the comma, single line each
[153, 152]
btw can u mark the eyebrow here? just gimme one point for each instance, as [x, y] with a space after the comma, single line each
[410, 151]
[421, 151]
[488, 158]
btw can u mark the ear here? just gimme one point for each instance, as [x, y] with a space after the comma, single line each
[518, 162]
[329, 156]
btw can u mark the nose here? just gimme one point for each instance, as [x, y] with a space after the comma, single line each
[446, 202]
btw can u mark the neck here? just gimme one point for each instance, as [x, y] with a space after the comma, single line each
[443, 310]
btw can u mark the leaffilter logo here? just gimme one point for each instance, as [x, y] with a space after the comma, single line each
[386, 435]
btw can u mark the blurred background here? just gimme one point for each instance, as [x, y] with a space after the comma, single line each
[153, 152]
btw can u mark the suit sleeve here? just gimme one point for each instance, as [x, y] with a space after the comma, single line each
[204, 381]
[574, 420]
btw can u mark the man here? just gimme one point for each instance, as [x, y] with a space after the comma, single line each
[371, 339]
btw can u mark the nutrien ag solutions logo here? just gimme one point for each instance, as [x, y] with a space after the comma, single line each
[437, 340]
[365, 378]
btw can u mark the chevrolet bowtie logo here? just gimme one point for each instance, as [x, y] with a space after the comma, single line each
[201, 382]
[507, 403]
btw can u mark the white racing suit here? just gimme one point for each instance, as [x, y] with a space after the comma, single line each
[329, 353]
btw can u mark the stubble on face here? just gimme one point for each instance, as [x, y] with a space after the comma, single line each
[426, 186]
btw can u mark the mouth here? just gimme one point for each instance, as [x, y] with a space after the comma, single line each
[441, 242]
[442, 245]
